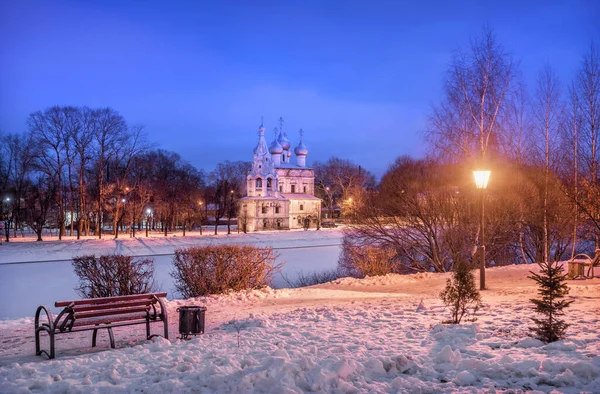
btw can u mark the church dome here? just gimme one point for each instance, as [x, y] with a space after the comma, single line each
[301, 149]
[276, 148]
[284, 142]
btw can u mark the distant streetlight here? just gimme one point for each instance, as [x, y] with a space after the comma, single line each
[481, 181]
[8, 219]
[148, 215]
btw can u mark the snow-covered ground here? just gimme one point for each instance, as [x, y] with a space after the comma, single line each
[350, 336]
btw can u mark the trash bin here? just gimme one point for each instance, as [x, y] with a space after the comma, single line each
[191, 320]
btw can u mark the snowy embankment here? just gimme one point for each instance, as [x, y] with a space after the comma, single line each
[350, 336]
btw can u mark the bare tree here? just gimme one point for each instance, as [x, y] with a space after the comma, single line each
[82, 139]
[109, 133]
[338, 180]
[52, 130]
[20, 159]
[588, 92]
[39, 198]
[228, 182]
[548, 114]
[464, 126]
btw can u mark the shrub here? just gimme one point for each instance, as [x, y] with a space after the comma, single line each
[552, 287]
[302, 279]
[113, 275]
[366, 260]
[199, 271]
[461, 294]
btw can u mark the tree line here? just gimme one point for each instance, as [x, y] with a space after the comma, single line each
[86, 171]
[540, 143]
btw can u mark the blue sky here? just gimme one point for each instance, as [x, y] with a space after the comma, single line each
[358, 77]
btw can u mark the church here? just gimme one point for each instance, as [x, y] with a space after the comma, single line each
[280, 195]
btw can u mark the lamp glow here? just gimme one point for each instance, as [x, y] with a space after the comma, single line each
[481, 178]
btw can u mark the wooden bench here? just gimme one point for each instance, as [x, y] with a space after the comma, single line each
[577, 265]
[101, 313]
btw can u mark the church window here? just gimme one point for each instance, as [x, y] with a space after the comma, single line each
[264, 209]
[304, 188]
[299, 221]
[276, 209]
[268, 183]
[281, 188]
[278, 224]
[258, 183]
[264, 224]
[293, 188]
[283, 157]
[301, 207]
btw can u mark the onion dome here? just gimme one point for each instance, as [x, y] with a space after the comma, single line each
[285, 143]
[301, 149]
[276, 148]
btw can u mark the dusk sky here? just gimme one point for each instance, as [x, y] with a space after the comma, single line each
[358, 77]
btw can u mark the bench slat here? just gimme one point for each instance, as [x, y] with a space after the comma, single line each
[132, 319]
[109, 312]
[85, 308]
[104, 300]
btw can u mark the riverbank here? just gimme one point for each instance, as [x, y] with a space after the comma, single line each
[26, 249]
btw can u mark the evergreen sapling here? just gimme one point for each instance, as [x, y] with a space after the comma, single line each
[552, 288]
[460, 293]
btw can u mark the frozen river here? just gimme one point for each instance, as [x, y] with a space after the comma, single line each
[23, 287]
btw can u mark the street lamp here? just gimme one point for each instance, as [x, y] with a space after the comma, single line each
[148, 215]
[8, 215]
[481, 180]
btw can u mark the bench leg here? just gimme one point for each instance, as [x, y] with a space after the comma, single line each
[38, 351]
[111, 337]
[147, 328]
[166, 324]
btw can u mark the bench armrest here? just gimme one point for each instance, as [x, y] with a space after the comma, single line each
[49, 316]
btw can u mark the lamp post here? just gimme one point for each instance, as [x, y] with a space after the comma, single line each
[8, 215]
[329, 203]
[148, 215]
[481, 180]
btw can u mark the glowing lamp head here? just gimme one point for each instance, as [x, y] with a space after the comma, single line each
[481, 178]
[149, 211]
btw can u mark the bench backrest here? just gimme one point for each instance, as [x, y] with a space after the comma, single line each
[94, 311]
[110, 300]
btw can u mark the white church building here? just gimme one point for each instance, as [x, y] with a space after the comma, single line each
[279, 194]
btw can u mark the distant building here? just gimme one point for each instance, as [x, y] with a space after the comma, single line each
[279, 194]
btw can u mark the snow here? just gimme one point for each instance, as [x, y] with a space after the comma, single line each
[379, 334]
[54, 279]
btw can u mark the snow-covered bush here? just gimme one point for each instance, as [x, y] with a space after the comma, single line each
[461, 294]
[552, 288]
[199, 271]
[359, 260]
[302, 279]
[113, 275]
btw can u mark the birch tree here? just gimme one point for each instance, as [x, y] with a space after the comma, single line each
[464, 126]
[548, 113]
[588, 92]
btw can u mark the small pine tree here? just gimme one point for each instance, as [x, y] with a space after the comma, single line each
[461, 294]
[552, 287]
